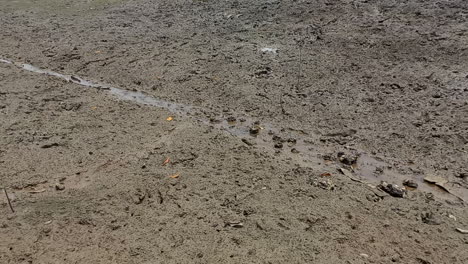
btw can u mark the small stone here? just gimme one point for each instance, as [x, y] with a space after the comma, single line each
[255, 130]
[410, 183]
[392, 189]
[347, 158]
[59, 187]
[324, 184]
[235, 224]
[248, 142]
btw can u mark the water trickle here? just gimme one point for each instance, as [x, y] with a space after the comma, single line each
[5, 61]
[299, 150]
[141, 98]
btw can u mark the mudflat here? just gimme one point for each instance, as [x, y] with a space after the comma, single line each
[233, 131]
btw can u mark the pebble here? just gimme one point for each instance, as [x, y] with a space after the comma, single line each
[255, 130]
[59, 187]
[392, 189]
[410, 183]
[347, 159]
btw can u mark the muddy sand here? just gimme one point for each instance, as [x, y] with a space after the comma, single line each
[233, 131]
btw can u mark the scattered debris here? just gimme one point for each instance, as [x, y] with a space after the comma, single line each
[429, 218]
[45, 146]
[379, 170]
[348, 174]
[392, 189]
[343, 133]
[410, 183]
[169, 118]
[263, 72]
[8, 200]
[364, 255]
[255, 130]
[325, 174]
[463, 231]
[235, 224]
[324, 184]
[452, 217]
[248, 142]
[269, 50]
[175, 176]
[36, 191]
[75, 79]
[166, 161]
[347, 159]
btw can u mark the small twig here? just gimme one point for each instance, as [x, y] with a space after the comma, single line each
[8, 199]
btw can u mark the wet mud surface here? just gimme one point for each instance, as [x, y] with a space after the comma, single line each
[234, 132]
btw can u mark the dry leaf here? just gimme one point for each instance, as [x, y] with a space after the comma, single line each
[435, 180]
[169, 118]
[166, 161]
[175, 176]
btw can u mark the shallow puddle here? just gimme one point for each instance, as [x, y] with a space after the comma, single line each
[374, 170]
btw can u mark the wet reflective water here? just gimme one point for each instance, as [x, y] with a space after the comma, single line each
[240, 129]
[5, 61]
[296, 146]
[374, 170]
